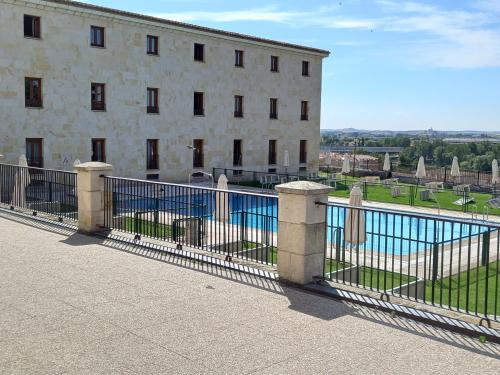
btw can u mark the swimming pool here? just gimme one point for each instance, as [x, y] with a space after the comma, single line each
[388, 233]
[400, 234]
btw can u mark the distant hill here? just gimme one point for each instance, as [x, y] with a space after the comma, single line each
[412, 133]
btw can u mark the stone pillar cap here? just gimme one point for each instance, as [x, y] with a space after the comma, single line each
[303, 188]
[93, 166]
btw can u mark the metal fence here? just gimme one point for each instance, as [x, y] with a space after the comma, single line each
[430, 194]
[236, 224]
[47, 191]
[476, 178]
[436, 260]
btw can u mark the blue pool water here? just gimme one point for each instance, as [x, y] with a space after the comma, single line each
[385, 233]
[251, 211]
[397, 234]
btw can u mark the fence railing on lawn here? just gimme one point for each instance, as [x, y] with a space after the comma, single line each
[236, 224]
[478, 179]
[435, 260]
[429, 194]
[48, 191]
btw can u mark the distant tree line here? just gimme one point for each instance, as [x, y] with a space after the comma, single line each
[473, 155]
[333, 140]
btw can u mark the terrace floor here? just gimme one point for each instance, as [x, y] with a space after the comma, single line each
[72, 304]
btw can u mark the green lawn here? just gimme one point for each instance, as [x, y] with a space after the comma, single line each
[444, 199]
[148, 228]
[457, 286]
[372, 277]
[272, 251]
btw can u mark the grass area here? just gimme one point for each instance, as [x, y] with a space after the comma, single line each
[372, 277]
[148, 228]
[453, 290]
[272, 251]
[450, 291]
[444, 199]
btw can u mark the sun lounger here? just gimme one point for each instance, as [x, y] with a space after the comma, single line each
[463, 201]
[494, 203]
[425, 195]
[461, 189]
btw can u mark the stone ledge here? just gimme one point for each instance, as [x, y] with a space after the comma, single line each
[93, 166]
[304, 188]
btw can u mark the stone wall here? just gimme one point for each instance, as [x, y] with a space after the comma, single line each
[67, 65]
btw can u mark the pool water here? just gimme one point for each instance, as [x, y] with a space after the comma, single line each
[397, 234]
[385, 233]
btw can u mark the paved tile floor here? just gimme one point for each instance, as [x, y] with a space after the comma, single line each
[72, 304]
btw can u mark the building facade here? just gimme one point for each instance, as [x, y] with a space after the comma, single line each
[155, 98]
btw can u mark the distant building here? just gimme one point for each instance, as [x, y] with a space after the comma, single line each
[157, 99]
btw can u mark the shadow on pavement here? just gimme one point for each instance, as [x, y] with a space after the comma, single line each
[301, 301]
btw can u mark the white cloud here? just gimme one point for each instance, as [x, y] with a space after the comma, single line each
[270, 13]
[437, 37]
[452, 39]
[320, 17]
[490, 5]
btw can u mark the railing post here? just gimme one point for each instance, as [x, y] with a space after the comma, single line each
[301, 231]
[485, 253]
[91, 210]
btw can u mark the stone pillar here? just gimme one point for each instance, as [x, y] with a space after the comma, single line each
[1, 158]
[91, 195]
[301, 230]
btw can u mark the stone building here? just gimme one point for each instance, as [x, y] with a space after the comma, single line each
[157, 99]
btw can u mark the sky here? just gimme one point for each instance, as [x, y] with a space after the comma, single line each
[394, 65]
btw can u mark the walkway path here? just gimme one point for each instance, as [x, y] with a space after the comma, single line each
[71, 304]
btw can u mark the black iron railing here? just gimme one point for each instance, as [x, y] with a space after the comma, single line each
[437, 260]
[47, 191]
[235, 224]
[264, 180]
[436, 195]
[479, 179]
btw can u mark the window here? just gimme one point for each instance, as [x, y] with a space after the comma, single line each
[238, 58]
[237, 154]
[303, 152]
[274, 64]
[153, 177]
[98, 96]
[99, 150]
[152, 160]
[153, 101]
[199, 52]
[273, 108]
[152, 45]
[31, 26]
[238, 106]
[198, 153]
[304, 111]
[33, 92]
[272, 152]
[199, 109]
[34, 152]
[305, 68]
[96, 36]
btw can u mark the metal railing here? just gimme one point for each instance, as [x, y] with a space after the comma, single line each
[437, 260]
[48, 191]
[264, 180]
[432, 195]
[236, 224]
[478, 179]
